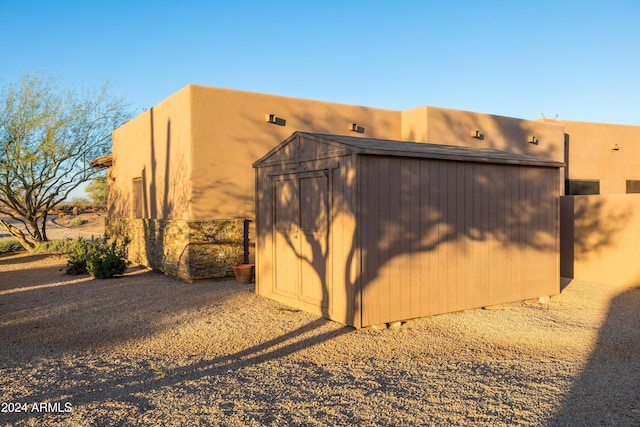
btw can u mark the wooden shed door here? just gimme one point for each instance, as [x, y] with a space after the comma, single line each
[301, 238]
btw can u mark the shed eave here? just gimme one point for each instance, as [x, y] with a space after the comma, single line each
[475, 159]
[383, 147]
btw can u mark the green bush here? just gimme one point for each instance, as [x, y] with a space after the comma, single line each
[77, 263]
[100, 258]
[76, 222]
[10, 245]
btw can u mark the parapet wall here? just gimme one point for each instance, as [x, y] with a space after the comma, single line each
[188, 250]
[600, 238]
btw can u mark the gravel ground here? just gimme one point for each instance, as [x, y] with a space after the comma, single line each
[147, 350]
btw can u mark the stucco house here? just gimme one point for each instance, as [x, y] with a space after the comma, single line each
[182, 186]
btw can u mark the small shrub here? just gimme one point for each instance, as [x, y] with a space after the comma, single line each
[77, 262]
[76, 222]
[61, 215]
[100, 258]
[10, 245]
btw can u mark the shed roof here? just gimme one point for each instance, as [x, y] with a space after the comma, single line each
[385, 147]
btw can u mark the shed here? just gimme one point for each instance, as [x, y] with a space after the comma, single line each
[369, 231]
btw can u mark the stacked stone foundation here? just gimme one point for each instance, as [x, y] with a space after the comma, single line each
[188, 250]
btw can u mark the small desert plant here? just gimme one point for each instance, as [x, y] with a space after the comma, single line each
[10, 245]
[76, 222]
[106, 259]
[61, 215]
[77, 263]
[100, 258]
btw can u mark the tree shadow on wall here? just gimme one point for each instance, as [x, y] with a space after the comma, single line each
[589, 226]
[167, 194]
[607, 392]
[497, 132]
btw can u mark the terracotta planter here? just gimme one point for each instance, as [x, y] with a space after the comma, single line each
[243, 273]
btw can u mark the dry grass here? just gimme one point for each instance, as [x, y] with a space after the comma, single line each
[147, 350]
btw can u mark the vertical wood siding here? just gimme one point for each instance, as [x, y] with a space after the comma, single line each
[440, 236]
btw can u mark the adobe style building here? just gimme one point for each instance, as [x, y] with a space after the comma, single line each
[182, 186]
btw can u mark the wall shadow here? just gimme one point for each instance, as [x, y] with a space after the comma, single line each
[13, 281]
[165, 195]
[590, 225]
[498, 132]
[607, 392]
[12, 259]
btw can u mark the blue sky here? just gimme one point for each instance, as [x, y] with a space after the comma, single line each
[578, 60]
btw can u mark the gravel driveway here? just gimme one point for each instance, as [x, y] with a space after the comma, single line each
[147, 350]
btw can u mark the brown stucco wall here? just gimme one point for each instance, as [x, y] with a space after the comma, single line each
[194, 150]
[453, 127]
[155, 146]
[230, 133]
[591, 155]
[599, 238]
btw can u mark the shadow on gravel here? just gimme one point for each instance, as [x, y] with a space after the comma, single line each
[47, 276]
[12, 260]
[132, 389]
[607, 393]
[55, 314]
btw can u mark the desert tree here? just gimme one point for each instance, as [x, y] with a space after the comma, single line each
[48, 134]
[98, 190]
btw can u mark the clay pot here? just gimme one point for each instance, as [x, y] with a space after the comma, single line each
[243, 273]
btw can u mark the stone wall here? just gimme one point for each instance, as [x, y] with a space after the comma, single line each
[185, 249]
